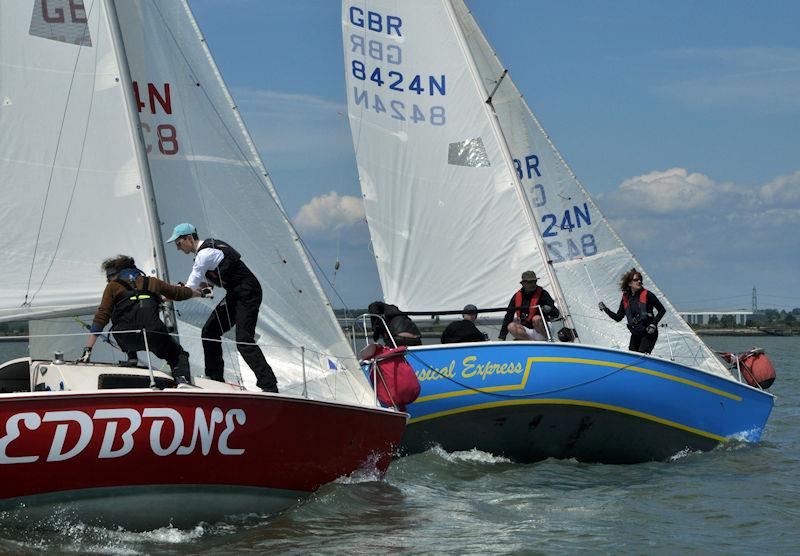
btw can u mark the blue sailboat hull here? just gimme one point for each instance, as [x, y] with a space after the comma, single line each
[533, 400]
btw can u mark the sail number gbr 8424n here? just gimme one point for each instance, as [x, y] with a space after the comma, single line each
[377, 60]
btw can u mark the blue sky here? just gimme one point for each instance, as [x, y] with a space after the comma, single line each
[682, 119]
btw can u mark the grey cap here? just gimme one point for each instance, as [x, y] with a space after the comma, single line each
[470, 309]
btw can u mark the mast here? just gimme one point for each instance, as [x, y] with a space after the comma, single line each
[501, 139]
[141, 157]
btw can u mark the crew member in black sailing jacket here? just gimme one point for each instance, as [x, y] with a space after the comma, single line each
[220, 264]
[527, 321]
[402, 328]
[464, 330]
[637, 305]
[132, 301]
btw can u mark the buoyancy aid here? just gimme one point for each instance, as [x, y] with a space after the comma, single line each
[636, 311]
[231, 272]
[523, 316]
[139, 306]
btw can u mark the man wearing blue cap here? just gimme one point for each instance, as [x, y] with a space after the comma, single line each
[217, 262]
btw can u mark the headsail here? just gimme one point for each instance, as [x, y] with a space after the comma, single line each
[206, 170]
[587, 256]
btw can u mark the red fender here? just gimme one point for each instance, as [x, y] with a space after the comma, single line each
[755, 366]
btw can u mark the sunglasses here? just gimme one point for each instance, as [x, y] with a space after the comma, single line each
[528, 281]
[639, 279]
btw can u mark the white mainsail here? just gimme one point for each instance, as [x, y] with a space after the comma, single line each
[200, 162]
[69, 179]
[415, 182]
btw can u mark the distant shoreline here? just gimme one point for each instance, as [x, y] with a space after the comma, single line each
[746, 332]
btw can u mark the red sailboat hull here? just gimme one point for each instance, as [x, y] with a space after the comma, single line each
[183, 454]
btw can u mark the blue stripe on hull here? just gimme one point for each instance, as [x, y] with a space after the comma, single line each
[579, 390]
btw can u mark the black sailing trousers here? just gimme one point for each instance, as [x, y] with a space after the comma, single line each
[160, 343]
[239, 308]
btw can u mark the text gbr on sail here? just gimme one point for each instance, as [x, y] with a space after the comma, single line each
[376, 22]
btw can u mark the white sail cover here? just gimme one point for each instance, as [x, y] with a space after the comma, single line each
[69, 179]
[68, 158]
[588, 257]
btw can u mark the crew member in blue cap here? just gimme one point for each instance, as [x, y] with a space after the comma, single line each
[220, 264]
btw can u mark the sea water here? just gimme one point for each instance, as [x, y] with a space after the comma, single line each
[737, 499]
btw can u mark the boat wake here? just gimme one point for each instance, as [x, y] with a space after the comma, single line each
[64, 532]
[468, 456]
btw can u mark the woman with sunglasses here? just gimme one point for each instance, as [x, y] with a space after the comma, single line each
[638, 305]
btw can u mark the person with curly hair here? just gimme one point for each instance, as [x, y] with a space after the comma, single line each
[641, 308]
[132, 302]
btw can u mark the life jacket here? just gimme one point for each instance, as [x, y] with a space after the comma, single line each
[231, 272]
[139, 305]
[636, 313]
[537, 293]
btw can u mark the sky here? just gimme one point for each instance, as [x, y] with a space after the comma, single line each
[681, 118]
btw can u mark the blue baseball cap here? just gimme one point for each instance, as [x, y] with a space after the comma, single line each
[184, 229]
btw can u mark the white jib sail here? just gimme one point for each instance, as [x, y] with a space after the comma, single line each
[206, 170]
[587, 255]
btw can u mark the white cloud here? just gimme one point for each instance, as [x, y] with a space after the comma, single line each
[678, 192]
[328, 213]
[781, 190]
[667, 191]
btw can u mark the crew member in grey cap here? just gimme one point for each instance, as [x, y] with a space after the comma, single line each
[464, 330]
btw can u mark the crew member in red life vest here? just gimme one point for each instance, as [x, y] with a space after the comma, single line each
[220, 264]
[637, 305]
[526, 322]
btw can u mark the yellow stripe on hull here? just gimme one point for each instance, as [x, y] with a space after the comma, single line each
[556, 401]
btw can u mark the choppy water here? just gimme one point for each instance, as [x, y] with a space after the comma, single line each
[741, 499]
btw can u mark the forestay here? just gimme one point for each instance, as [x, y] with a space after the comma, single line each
[443, 175]
[200, 161]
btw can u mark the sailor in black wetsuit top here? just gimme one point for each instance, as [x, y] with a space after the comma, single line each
[220, 264]
[638, 305]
